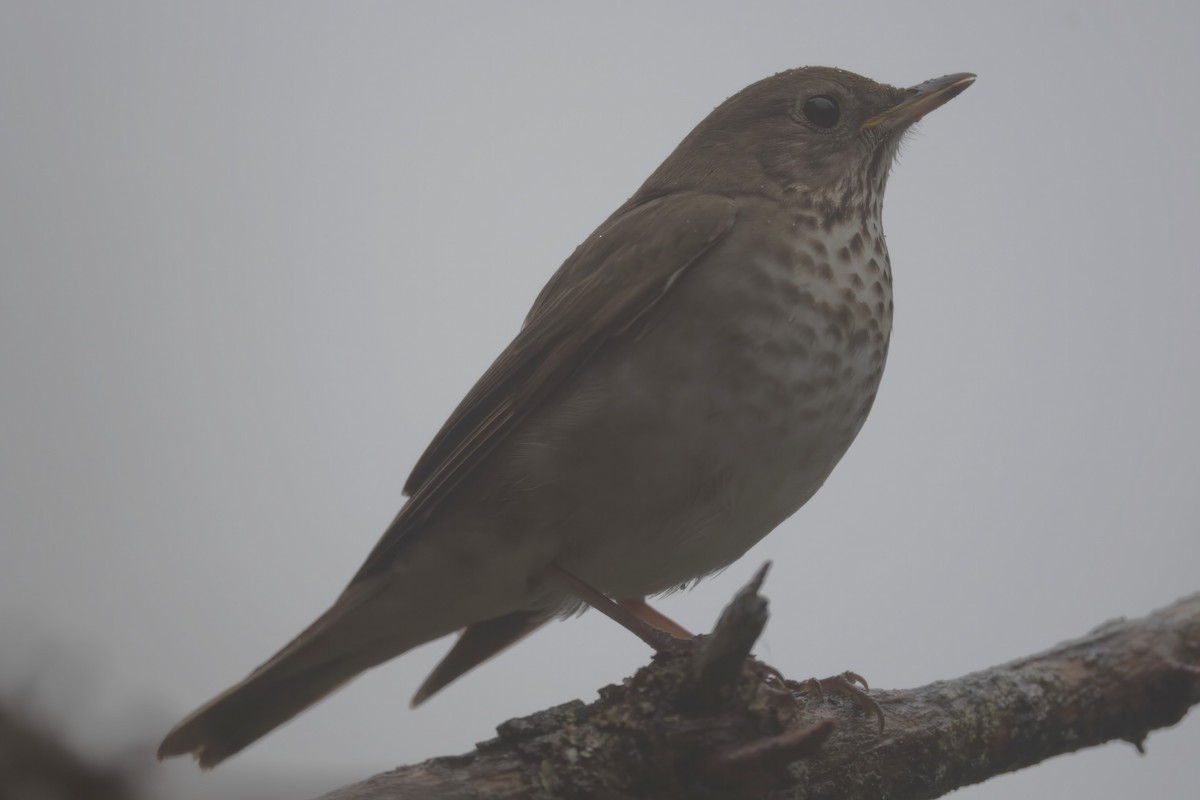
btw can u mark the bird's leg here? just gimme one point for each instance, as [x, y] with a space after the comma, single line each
[659, 640]
[655, 618]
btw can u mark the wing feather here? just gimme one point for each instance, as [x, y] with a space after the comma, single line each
[614, 278]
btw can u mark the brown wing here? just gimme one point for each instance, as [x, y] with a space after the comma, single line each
[611, 280]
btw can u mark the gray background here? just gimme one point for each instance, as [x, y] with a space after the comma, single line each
[252, 255]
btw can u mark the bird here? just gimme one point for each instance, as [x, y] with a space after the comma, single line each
[686, 380]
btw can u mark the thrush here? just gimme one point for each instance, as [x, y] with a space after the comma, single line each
[686, 381]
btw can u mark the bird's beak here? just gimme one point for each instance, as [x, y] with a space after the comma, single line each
[921, 100]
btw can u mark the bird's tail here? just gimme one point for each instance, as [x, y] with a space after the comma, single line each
[331, 652]
[252, 709]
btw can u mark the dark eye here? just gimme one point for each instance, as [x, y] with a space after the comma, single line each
[821, 111]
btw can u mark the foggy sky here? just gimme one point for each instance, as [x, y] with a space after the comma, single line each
[252, 255]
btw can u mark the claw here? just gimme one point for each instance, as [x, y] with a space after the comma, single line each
[847, 685]
[771, 679]
[854, 677]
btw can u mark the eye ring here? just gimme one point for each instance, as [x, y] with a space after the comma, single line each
[821, 111]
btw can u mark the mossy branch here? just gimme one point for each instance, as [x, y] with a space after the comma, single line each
[687, 726]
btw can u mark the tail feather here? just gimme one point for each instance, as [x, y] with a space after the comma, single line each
[345, 641]
[359, 632]
[254, 708]
[477, 644]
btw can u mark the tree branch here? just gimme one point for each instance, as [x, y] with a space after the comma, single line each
[687, 726]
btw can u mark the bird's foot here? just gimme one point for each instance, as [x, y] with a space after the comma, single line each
[771, 678]
[849, 684]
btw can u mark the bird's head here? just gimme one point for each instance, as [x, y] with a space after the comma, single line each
[825, 135]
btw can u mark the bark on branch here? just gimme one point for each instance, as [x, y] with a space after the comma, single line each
[686, 726]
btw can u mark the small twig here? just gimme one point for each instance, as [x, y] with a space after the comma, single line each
[722, 654]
